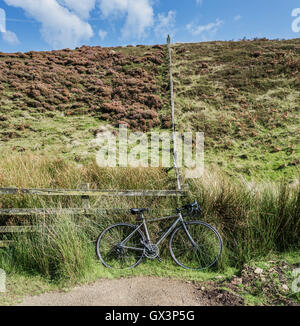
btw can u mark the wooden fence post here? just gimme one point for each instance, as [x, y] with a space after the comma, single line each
[175, 157]
[86, 199]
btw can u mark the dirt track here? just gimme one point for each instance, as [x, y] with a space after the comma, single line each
[141, 291]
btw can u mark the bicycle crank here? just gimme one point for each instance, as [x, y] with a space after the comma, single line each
[152, 251]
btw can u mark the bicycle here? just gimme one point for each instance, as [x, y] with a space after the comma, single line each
[194, 245]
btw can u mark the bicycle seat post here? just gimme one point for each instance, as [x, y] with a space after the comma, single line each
[142, 216]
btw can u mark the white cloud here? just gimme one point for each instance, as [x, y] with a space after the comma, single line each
[2, 21]
[139, 15]
[60, 26]
[102, 34]
[165, 24]
[212, 28]
[237, 17]
[8, 36]
[79, 7]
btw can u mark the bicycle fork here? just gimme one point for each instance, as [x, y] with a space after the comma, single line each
[189, 236]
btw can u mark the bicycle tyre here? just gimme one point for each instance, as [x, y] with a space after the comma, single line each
[113, 257]
[207, 239]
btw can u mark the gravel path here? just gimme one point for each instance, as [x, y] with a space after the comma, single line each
[140, 291]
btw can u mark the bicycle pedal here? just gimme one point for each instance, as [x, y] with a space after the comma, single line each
[159, 259]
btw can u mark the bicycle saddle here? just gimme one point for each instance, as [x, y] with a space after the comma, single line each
[136, 211]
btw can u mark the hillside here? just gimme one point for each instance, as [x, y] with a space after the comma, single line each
[244, 95]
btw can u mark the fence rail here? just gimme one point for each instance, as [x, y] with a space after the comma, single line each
[64, 211]
[85, 193]
[5, 243]
[16, 229]
[91, 193]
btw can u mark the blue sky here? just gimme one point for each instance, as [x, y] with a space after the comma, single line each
[53, 24]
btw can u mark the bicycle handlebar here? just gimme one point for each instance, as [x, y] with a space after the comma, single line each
[193, 208]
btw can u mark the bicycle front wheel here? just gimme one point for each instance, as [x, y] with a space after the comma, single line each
[113, 253]
[198, 249]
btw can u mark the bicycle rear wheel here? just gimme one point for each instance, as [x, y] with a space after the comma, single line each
[201, 253]
[115, 255]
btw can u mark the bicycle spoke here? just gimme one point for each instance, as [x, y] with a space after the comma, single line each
[111, 251]
[200, 253]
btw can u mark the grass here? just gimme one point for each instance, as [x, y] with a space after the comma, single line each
[252, 300]
[67, 137]
[20, 285]
[276, 272]
[253, 219]
[59, 250]
[244, 96]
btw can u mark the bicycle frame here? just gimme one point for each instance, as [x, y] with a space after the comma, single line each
[165, 235]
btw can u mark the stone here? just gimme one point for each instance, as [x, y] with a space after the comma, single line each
[258, 271]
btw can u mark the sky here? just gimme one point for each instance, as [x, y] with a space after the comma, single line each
[42, 25]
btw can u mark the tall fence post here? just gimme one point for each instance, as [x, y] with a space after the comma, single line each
[86, 199]
[175, 157]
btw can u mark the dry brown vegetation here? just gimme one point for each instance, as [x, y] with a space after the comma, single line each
[114, 85]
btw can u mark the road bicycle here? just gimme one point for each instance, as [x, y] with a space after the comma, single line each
[193, 245]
